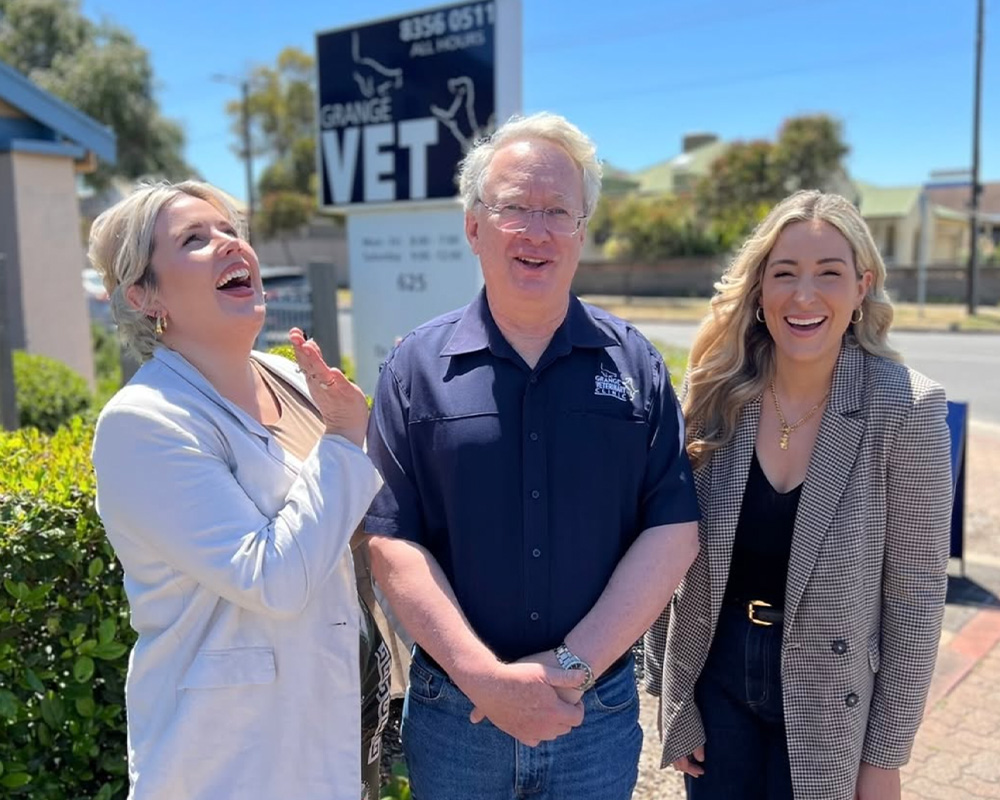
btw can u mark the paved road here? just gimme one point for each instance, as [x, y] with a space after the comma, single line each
[967, 364]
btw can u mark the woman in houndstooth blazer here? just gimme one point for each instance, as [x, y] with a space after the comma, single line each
[796, 656]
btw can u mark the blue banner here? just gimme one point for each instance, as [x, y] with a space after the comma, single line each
[958, 427]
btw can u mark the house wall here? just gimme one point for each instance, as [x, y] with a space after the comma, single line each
[50, 257]
[897, 238]
[324, 246]
[951, 241]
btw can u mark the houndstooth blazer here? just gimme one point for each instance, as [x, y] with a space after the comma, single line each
[867, 567]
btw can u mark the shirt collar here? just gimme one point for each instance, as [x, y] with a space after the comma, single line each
[477, 330]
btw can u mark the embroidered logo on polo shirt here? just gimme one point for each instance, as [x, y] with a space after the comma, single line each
[611, 384]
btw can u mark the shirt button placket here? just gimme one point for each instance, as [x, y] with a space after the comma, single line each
[534, 475]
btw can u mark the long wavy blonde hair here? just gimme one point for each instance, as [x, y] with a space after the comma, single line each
[732, 358]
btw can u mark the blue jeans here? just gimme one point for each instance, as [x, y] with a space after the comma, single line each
[739, 697]
[449, 758]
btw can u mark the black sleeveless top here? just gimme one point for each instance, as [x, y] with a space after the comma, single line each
[763, 545]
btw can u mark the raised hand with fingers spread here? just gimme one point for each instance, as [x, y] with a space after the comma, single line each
[342, 403]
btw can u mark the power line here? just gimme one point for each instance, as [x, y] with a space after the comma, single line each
[601, 96]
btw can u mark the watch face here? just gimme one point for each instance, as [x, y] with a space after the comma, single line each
[588, 674]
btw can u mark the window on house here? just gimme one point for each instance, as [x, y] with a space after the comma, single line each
[889, 243]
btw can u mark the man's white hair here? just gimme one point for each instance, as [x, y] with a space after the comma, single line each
[543, 125]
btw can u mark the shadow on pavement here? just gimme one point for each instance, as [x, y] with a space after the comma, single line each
[963, 591]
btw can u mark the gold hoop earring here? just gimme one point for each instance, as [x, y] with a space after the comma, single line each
[759, 314]
[161, 324]
[860, 313]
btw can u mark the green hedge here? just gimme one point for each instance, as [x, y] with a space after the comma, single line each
[48, 392]
[64, 633]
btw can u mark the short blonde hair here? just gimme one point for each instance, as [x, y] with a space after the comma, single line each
[543, 125]
[121, 247]
[732, 357]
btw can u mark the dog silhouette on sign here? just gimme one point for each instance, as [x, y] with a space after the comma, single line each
[460, 116]
[373, 78]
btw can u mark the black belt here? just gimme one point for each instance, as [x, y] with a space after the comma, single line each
[759, 612]
[621, 661]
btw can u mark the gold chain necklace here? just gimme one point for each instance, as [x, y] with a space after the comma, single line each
[786, 429]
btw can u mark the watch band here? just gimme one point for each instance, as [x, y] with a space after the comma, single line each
[568, 660]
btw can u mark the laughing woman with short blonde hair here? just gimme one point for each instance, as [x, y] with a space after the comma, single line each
[229, 486]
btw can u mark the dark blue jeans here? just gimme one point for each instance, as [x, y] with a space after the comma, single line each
[739, 697]
[449, 758]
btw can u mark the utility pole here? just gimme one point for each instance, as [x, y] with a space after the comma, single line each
[9, 419]
[248, 155]
[973, 278]
[245, 130]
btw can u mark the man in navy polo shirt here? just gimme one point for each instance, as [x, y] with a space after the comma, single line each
[538, 508]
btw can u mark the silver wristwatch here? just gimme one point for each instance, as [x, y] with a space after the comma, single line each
[567, 660]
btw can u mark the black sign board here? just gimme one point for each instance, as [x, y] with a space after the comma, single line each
[401, 100]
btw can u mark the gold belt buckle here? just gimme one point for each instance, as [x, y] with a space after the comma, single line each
[751, 612]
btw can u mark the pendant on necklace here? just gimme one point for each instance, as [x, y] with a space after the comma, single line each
[783, 444]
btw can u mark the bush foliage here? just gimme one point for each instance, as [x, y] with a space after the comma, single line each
[48, 392]
[64, 632]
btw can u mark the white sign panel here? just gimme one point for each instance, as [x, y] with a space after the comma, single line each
[407, 267]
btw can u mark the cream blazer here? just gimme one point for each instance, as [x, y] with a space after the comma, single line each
[244, 682]
[866, 579]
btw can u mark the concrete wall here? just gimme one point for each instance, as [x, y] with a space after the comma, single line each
[680, 277]
[946, 283]
[694, 277]
[50, 257]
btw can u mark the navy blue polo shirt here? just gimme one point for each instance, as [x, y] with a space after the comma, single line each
[527, 485]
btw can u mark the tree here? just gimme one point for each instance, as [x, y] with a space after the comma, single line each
[809, 154]
[750, 177]
[741, 181]
[33, 33]
[649, 229]
[282, 109]
[102, 71]
[283, 212]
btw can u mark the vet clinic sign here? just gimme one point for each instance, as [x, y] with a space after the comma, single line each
[402, 99]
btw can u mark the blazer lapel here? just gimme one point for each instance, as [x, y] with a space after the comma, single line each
[176, 362]
[830, 467]
[730, 469]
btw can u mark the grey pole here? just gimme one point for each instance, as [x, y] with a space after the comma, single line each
[976, 188]
[248, 156]
[323, 296]
[9, 417]
[924, 250]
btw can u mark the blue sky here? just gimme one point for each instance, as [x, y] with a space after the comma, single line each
[637, 75]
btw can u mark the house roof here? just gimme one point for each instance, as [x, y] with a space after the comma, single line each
[616, 180]
[958, 198]
[662, 177]
[45, 124]
[880, 201]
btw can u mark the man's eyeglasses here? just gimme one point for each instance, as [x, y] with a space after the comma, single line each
[514, 218]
